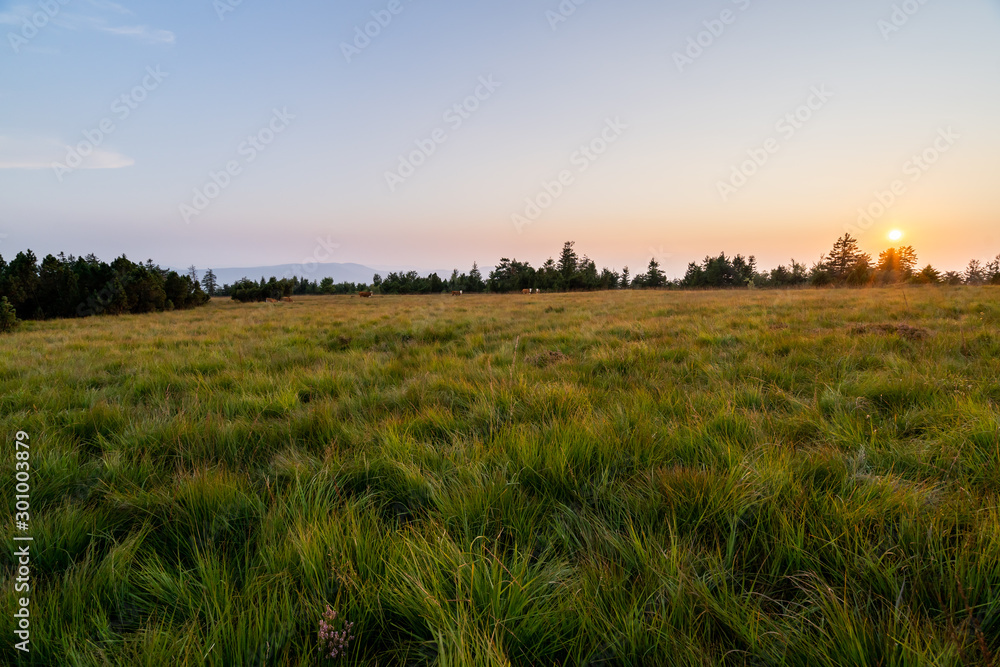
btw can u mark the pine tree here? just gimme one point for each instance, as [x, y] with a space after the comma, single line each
[929, 276]
[974, 273]
[654, 277]
[22, 284]
[568, 261]
[209, 283]
[8, 317]
[844, 257]
[993, 271]
[476, 282]
[899, 261]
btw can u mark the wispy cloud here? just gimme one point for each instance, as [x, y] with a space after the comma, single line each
[15, 15]
[106, 18]
[112, 6]
[140, 32]
[42, 152]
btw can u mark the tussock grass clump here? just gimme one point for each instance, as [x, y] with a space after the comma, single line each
[636, 478]
[904, 330]
[548, 358]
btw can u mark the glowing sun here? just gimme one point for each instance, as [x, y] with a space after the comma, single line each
[895, 235]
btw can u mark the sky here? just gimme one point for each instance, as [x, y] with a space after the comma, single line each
[431, 134]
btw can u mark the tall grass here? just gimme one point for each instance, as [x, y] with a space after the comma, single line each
[749, 478]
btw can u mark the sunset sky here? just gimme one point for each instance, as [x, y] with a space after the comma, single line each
[838, 103]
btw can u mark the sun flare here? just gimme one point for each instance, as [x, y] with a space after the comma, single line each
[895, 235]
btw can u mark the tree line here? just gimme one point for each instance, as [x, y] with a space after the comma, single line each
[569, 273]
[61, 286]
[844, 265]
[249, 291]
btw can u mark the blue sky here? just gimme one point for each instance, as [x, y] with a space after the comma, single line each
[271, 82]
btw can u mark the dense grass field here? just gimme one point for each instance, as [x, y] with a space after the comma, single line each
[658, 478]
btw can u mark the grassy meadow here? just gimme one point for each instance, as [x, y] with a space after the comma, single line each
[628, 478]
